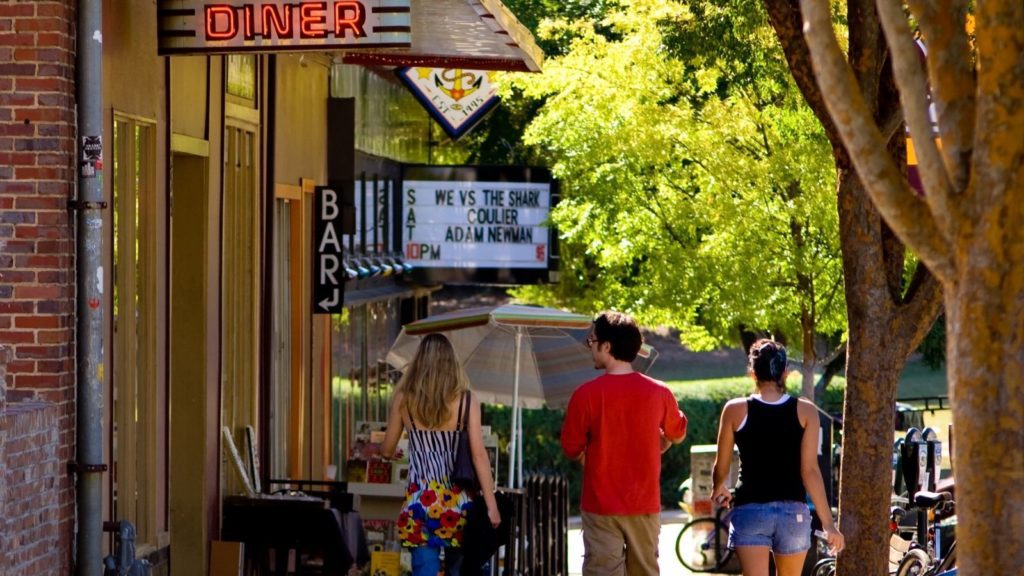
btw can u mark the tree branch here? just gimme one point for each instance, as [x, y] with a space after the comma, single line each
[996, 167]
[920, 308]
[951, 73]
[913, 85]
[787, 21]
[886, 186]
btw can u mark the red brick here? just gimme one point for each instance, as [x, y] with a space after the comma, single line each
[42, 85]
[37, 381]
[37, 231]
[13, 188]
[55, 366]
[19, 129]
[17, 337]
[12, 159]
[38, 24]
[19, 307]
[54, 9]
[53, 218]
[37, 292]
[38, 261]
[17, 99]
[39, 352]
[5, 324]
[10, 69]
[52, 336]
[39, 114]
[19, 247]
[18, 276]
[44, 159]
[32, 173]
[53, 276]
[44, 322]
[17, 39]
[21, 366]
[11, 9]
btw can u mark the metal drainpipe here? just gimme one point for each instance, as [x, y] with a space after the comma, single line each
[89, 436]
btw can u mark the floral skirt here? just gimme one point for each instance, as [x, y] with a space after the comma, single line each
[433, 514]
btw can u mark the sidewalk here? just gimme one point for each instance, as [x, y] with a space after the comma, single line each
[671, 522]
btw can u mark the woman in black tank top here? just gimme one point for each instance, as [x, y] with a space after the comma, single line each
[777, 437]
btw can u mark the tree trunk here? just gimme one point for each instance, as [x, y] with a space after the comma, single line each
[883, 331]
[986, 374]
[807, 328]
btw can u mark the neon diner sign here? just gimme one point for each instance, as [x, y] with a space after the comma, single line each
[191, 26]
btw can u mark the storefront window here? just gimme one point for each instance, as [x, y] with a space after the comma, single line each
[362, 383]
[389, 121]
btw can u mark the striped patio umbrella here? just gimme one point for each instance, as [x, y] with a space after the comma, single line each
[521, 356]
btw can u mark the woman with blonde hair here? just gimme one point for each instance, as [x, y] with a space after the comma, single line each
[431, 397]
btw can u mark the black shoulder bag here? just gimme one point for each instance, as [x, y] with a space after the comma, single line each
[463, 472]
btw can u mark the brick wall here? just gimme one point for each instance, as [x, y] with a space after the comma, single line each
[37, 291]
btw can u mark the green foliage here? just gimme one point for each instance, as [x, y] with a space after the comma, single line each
[933, 347]
[701, 402]
[698, 189]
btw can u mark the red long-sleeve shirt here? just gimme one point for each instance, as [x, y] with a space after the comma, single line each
[616, 421]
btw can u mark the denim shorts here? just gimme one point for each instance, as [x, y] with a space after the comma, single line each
[785, 527]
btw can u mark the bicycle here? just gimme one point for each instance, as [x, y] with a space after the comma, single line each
[703, 544]
[925, 556]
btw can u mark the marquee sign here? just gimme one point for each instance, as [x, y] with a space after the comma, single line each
[476, 224]
[455, 98]
[226, 26]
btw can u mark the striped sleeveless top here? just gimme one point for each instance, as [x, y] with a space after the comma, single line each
[432, 452]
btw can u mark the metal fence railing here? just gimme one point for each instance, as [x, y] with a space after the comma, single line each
[538, 536]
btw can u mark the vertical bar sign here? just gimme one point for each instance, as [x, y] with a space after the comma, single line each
[328, 273]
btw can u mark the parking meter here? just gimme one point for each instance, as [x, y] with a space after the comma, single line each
[915, 461]
[897, 466]
[933, 450]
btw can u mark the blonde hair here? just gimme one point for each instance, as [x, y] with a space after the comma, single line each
[432, 381]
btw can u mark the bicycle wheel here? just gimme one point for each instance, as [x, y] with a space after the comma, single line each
[702, 545]
[915, 563]
[824, 567]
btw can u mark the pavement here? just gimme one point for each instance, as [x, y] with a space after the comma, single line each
[671, 523]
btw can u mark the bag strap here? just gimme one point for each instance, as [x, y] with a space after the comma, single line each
[464, 413]
[412, 422]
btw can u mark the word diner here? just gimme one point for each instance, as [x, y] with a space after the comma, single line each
[283, 21]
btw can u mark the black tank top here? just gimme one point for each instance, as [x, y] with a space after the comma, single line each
[769, 444]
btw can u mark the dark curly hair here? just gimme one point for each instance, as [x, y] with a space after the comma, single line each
[767, 362]
[622, 332]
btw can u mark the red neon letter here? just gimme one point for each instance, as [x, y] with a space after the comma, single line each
[247, 22]
[279, 23]
[312, 14]
[221, 22]
[349, 16]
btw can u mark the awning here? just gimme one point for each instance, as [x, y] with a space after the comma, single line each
[376, 294]
[470, 34]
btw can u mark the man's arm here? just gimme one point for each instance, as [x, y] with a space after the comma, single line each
[674, 421]
[574, 431]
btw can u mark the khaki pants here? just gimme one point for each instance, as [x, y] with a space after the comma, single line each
[617, 545]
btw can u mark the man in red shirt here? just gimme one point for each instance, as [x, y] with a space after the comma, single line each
[617, 425]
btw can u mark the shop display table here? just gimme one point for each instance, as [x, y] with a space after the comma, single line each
[273, 525]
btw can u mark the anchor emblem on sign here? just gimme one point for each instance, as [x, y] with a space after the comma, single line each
[463, 83]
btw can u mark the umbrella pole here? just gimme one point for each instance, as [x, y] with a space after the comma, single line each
[514, 446]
